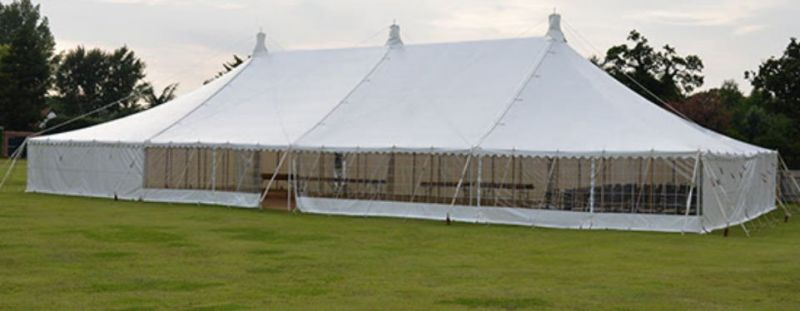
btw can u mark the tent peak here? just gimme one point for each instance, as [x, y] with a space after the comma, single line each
[554, 31]
[394, 36]
[261, 44]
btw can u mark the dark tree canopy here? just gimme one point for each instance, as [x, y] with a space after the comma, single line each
[706, 108]
[775, 117]
[666, 74]
[25, 66]
[777, 80]
[86, 80]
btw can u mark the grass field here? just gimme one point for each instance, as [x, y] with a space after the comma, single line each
[77, 253]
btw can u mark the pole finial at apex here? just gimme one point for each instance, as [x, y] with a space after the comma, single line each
[394, 36]
[261, 44]
[554, 31]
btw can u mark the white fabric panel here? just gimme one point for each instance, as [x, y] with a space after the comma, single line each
[433, 96]
[573, 107]
[95, 170]
[140, 127]
[236, 199]
[737, 189]
[276, 99]
[498, 215]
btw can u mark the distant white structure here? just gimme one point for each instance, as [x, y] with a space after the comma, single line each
[514, 131]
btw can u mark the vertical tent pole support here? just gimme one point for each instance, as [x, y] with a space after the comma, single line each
[274, 175]
[14, 157]
[691, 192]
[214, 169]
[289, 189]
[458, 186]
[786, 169]
[296, 184]
[722, 207]
[418, 182]
[592, 185]
[478, 180]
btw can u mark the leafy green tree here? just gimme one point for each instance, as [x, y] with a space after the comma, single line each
[86, 80]
[776, 90]
[3, 51]
[644, 69]
[148, 94]
[229, 66]
[707, 109]
[25, 66]
[777, 80]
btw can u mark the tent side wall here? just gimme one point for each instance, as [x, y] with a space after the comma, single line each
[86, 169]
[216, 176]
[627, 193]
[737, 189]
[210, 174]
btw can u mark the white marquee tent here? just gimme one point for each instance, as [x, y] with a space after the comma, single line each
[518, 131]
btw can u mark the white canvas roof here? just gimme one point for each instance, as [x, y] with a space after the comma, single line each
[534, 96]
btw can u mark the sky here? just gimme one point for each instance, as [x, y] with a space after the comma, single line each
[186, 41]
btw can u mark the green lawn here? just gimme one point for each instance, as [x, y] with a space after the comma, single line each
[76, 253]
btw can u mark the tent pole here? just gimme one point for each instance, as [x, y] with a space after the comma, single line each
[418, 182]
[642, 180]
[592, 184]
[503, 180]
[791, 177]
[548, 191]
[460, 181]
[214, 169]
[478, 186]
[722, 207]
[14, 157]
[272, 178]
[294, 179]
[289, 187]
[691, 191]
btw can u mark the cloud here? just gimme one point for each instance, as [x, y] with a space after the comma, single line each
[222, 5]
[728, 13]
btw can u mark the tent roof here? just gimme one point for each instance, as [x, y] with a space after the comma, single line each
[533, 96]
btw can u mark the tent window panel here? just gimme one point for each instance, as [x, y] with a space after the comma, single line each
[402, 176]
[645, 186]
[155, 169]
[616, 185]
[268, 163]
[202, 169]
[177, 168]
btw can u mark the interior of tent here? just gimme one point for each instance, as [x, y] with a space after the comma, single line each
[521, 131]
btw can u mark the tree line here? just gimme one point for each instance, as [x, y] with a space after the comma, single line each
[72, 83]
[34, 79]
[769, 116]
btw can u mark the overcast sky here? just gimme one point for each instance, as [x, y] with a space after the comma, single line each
[185, 41]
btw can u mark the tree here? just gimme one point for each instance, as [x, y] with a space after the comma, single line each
[707, 109]
[646, 70]
[229, 66]
[776, 91]
[3, 51]
[86, 80]
[25, 66]
[777, 80]
[148, 94]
